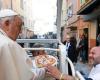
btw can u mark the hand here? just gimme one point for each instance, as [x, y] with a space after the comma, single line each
[53, 71]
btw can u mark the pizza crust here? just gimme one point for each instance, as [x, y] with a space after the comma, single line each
[43, 60]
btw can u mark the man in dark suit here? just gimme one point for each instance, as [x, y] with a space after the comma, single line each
[71, 51]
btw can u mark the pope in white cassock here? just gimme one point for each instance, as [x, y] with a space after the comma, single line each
[14, 62]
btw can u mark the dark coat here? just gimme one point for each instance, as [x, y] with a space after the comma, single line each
[72, 53]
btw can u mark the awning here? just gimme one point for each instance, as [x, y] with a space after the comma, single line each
[88, 8]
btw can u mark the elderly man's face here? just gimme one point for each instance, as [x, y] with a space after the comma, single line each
[15, 28]
[95, 55]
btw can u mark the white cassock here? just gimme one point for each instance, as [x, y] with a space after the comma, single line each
[14, 61]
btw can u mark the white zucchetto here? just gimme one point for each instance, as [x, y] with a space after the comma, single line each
[7, 13]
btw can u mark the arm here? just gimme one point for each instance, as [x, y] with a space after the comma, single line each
[39, 73]
[54, 72]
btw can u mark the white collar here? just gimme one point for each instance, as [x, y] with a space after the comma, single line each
[2, 32]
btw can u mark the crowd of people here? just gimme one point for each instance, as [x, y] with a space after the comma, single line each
[77, 49]
[15, 64]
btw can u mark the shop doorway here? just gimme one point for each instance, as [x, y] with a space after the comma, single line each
[85, 32]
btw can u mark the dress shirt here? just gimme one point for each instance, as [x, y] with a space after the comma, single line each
[67, 45]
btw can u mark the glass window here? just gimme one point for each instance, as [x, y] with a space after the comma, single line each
[70, 11]
[82, 2]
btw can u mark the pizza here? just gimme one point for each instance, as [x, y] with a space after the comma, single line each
[43, 60]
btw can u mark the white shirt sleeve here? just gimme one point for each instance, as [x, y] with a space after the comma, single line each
[39, 73]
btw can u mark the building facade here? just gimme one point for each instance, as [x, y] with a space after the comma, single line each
[29, 19]
[83, 18]
[90, 10]
[5, 4]
[16, 5]
[78, 24]
[63, 19]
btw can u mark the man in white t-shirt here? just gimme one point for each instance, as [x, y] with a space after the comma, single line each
[95, 57]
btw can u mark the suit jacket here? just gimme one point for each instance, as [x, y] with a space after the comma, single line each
[72, 52]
